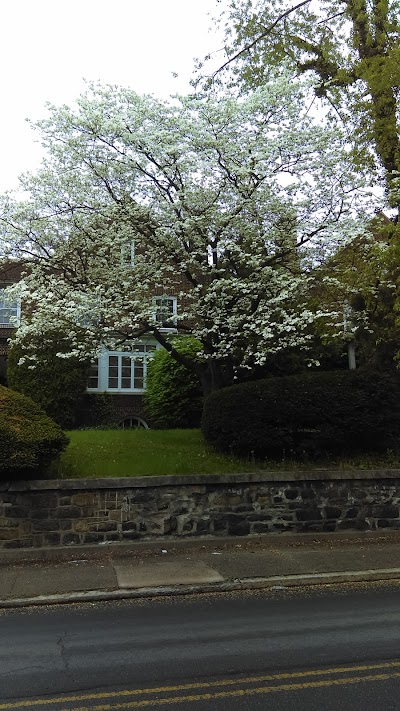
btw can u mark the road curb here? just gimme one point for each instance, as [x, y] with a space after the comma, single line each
[272, 582]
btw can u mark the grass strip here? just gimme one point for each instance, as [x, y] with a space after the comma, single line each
[140, 452]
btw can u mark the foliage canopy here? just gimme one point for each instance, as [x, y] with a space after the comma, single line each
[229, 203]
[351, 48]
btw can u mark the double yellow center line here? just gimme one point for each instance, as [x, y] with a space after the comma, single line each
[298, 681]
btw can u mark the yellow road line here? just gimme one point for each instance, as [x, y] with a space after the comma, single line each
[198, 685]
[237, 692]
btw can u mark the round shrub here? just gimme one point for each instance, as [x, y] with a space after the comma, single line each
[29, 439]
[56, 384]
[173, 398]
[311, 415]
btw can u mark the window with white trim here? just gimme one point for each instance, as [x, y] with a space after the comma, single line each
[93, 379]
[125, 372]
[9, 310]
[128, 254]
[166, 311]
[121, 371]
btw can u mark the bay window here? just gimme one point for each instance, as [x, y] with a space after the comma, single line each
[121, 371]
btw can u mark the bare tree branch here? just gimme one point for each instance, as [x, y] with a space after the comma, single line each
[266, 32]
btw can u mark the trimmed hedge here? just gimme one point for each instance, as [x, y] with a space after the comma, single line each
[56, 384]
[311, 415]
[29, 439]
[173, 397]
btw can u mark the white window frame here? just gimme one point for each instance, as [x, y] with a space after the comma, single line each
[128, 255]
[94, 373]
[134, 355]
[14, 306]
[174, 313]
[132, 360]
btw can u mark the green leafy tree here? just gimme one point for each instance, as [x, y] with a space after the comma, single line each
[358, 286]
[174, 396]
[350, 47]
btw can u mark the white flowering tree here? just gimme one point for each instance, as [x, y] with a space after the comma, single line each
[229, 204]
[350, 48]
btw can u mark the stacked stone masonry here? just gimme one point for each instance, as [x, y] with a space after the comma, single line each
[53, 513]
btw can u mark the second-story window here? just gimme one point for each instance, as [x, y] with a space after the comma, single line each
[166, 310]
[9, 310]
[128, 254]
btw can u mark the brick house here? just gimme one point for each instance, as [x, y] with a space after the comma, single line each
[117, 378]
[10, 273]
[121, 374]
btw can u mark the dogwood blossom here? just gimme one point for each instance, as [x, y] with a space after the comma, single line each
[229, 204]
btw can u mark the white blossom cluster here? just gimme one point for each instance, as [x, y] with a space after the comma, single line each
[230, 205]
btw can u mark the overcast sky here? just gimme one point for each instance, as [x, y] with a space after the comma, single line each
[49, 46]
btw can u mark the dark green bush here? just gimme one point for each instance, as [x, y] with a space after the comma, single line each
[29, 439]
[311, 415]
[173, 398]
[56, 384]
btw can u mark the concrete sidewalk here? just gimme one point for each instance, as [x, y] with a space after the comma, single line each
[202, 565]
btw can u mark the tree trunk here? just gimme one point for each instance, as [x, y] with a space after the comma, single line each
[214, 375]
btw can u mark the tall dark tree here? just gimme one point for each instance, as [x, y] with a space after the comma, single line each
[351, 47]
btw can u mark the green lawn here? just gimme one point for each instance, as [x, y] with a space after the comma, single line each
[114, 453]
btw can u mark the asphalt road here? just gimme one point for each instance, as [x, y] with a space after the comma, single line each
[285, 650]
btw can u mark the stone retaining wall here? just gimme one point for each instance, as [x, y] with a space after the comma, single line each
[52, 513]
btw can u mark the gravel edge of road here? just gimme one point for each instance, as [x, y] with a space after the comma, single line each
[274, 582]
